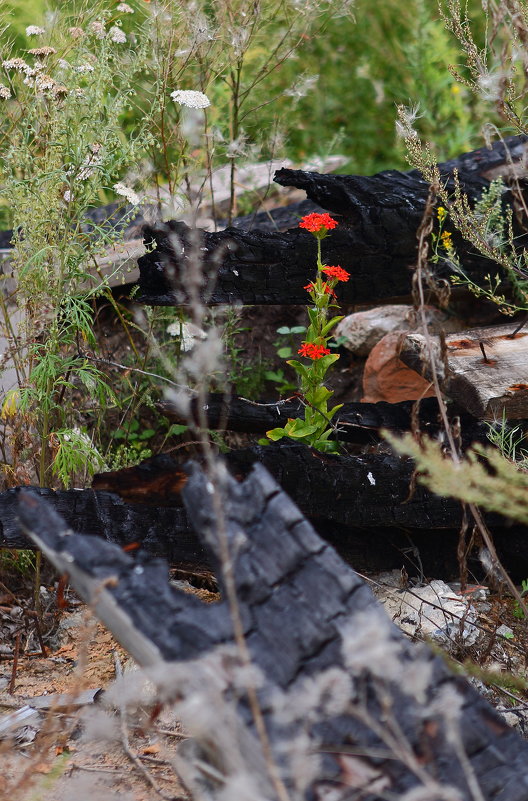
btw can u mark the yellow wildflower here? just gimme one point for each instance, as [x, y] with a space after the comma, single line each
[447, 240]
[441, 213]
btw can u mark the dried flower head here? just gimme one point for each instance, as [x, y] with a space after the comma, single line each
[124, 8]
[42, 52]
[190, 98]
[44, 83]
[98, 30]
[117, 35]
[59, 91]
[302, 86]
[5, 93]
[76, 33]
[34, 30]
[317, 222]
[126, 192]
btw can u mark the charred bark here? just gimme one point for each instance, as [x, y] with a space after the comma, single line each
[375, 240]
[106, 516]
[358, 423]
[341, 691]
[366, 506]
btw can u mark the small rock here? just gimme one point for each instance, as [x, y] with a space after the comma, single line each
[505, 631]
[387, 378]
[364, 329]
[434, 610]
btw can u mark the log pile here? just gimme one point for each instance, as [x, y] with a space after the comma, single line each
[336, 699]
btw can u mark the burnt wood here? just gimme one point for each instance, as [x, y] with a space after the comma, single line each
[487, 369]
[375, 241]
[162, 529]
[358, 423]
[342, 692]
[364, 505]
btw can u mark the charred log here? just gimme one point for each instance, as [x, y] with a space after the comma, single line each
[375, 241]
[106, 516]
[341, 691]
[358, 423]
[353, 501]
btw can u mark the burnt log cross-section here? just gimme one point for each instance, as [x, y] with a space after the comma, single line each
[375, 240]
[487, 369]
[326, 697]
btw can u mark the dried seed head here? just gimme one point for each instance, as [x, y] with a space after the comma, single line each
[42, 52]
[98, 30]
[59, 91]
[117, 35]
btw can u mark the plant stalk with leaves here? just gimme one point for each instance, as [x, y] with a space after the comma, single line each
[316, 427]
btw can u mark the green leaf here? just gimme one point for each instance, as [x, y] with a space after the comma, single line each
[300, 368]
[319, 396]
[326, 447]
[284, 330]
[314, 316]
[334, 410]
[326, 361]
[298, 329]
[277, 376]
[147, 433]
[177, 428]
[284, 353]
[330, 324]
[275, 434]
[297, 429]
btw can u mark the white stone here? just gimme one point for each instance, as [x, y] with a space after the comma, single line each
[364, 329]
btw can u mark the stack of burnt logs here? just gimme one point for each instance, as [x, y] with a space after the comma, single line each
[338, 705]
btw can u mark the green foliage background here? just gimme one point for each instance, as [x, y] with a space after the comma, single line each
[387, 53]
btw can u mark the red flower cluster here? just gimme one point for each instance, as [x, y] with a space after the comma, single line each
[336, 272]
[313, 351]
[316, 222]
[328, 290]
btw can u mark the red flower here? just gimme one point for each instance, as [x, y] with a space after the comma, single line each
[337, 272]
[316, 222]
[313, 351]
[327, 289]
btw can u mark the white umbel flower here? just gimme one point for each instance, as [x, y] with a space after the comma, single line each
[17, 64]
[5, 93]
[126, 192]
[124, 8]
[34, 30]
[117, 35]
[190, 98]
